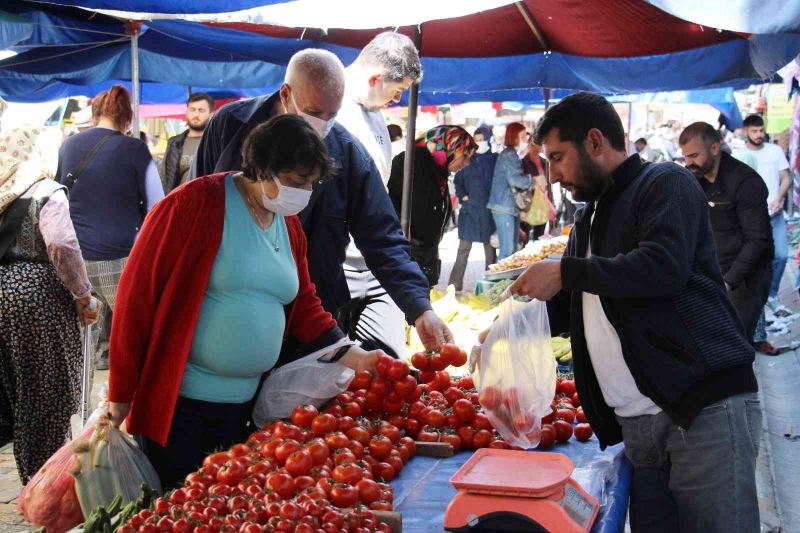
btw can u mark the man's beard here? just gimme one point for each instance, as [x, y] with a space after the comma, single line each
[701, 171]
[591, 178]
[198, 127]
[755, 142]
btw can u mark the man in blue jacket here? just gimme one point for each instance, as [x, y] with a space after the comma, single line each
[661, 359]
[353, 201]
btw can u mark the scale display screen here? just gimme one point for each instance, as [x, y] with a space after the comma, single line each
[579, 509]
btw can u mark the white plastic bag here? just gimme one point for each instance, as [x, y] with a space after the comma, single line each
[305, 381]
[516, 374]
[112, 464]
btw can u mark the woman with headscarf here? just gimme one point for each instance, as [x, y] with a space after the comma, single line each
[475, 222]
[509, 176]
[44, 291]
[442, 150]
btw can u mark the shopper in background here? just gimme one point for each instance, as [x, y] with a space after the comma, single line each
[442, 150]
[215, 283]
[181, 148]
[737, 198]
[354, 203]
[475, 222]
[44, 291]
[661, 361]
[112, 182]
[509, 178]
[541, 208]
[647, 153]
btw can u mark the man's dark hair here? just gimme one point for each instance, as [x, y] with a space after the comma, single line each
[704, 130]
[284, 143]
[395, 54]
[395, 132]
[576, 114]
[196, 97]
[754, 121]
[641, 140]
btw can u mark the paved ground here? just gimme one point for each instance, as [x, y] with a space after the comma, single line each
[779, 459]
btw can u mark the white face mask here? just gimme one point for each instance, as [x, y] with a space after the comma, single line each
[322, 127]
[289, 201]
[483, 147]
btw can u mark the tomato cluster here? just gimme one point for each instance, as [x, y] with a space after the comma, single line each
[431, 366]
[566, 410]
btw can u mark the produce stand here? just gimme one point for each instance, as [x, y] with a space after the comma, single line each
[423, 490]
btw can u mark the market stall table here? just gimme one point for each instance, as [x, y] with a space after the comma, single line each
[423, 490]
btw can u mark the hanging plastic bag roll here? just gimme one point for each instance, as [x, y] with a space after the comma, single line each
[516, 372]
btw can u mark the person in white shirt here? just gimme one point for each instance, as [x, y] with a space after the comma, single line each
[772, 165]
[384, 69]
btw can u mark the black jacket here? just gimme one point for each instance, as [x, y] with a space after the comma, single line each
[353, 202]
[654, 266]
[430, 207]
[170, 170]
[739, 219]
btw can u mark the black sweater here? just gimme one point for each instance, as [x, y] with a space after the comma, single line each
[654, 266]
[740, 220]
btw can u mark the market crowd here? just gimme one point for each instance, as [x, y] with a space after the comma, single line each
[270, 229]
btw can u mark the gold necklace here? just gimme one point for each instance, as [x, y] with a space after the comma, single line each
[253, 209]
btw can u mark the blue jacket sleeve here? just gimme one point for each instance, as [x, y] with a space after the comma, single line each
[376, 231]
[514, 172]
[460, 184]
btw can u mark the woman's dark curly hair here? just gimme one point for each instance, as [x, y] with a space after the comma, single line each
[284, 143]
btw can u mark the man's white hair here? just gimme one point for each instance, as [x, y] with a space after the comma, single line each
[318, 66]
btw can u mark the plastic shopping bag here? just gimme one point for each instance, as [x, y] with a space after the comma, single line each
[305, 381]
[516, 374]
[49, 499]
[538, 213]
[111, 464]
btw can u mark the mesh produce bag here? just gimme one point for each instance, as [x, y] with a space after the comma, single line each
[516, 373]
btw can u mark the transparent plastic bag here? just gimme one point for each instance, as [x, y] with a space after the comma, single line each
[516, 373]
[305, 381]
[49, 499]
[111, 464]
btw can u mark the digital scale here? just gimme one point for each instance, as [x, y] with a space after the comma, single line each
[519, 491]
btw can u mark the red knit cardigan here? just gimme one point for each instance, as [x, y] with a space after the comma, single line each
[161, 293]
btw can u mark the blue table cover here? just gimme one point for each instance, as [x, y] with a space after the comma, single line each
[422, 491]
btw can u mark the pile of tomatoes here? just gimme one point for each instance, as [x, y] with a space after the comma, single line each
[566, 410]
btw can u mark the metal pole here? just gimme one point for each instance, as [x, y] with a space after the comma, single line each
[135, 79]
[546, 95]
[408, 163]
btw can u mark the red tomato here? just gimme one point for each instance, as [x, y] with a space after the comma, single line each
[420, 361]
[286, 448]
[563, 430]
[393, 403]
[390, 431]
[362, 380]
[324, 424]
[481, 439]
[398, 421]
[218, 459]
[452, 394]
[583, 432]
[566, 414]
[344, 495]
[580, 416]
[453, 440]
[381, 505]
[368, 491]
[349, 473]
[450, 353]
[380, 447]
[511, 400]
[406, 387]
[428, 434]
[576, 400]
[461, 359]
[318, 450]
[231, 473]
[466, 433]
[434, 418]
[286, 431]
[281, 484]
[404, 451]
[374, 401]
[548, 437]
[490, 398]
[384, 472]
[398, 370]
[442, 380]
[412, 427]
[302, 483]
[427, 376]
[437, 362]
[344, 456]
[453, 421]
[383, 364]
[466, 383]
[396, 463]
[415, 409]
[464, 410]
[566, 387]
[302, 415]
[481, 421]
[381, 385]
[549, 419]
[351, 409]
[336, 440]
[335, 410]
[410, 444]
[299, 463]
[359, 434]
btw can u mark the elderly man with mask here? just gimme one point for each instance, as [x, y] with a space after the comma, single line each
[353, 202]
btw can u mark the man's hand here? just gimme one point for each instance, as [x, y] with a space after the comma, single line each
[542, 281]
[775, 206]
[432, 331]
[117, 413]
[358, 358]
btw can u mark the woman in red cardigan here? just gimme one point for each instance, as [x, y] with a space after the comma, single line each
[216, 280]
